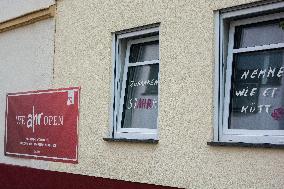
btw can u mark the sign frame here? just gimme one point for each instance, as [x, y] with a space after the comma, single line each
[66, 159]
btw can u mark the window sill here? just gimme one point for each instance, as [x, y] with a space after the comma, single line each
[242, 144]
[151, 141]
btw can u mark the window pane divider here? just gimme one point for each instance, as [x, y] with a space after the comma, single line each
[259, 48]
[143, 63]
[137, 130]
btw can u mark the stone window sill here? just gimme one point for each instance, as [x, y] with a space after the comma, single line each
[151, 141]
[242, 144]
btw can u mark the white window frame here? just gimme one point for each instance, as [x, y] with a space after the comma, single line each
[117, 109]
[225, 24]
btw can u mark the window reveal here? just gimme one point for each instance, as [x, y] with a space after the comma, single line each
[137, 83]
[251, 90]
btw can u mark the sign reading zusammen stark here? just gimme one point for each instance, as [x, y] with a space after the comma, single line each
[43, 124]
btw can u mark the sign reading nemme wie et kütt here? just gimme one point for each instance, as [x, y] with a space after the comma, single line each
[43, 124]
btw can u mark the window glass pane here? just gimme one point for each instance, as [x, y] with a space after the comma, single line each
[264, 33]
[141, 97]
[144, 52]
[257, 91]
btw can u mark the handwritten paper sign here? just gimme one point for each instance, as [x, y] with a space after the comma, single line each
[43, 124]
[254, 91]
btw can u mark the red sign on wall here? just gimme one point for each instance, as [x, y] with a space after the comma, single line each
[43, 124]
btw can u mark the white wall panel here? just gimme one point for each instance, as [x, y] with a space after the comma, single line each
[26, 63]
[10, 9]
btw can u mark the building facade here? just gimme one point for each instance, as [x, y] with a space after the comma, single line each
[183, 94]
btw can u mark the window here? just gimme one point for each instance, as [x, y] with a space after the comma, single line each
[250, 81]
[136, 81]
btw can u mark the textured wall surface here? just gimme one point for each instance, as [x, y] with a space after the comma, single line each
[26, 64]
[182, 157]
[13, 8]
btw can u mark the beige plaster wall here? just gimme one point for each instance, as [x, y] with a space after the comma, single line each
[182, 157]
